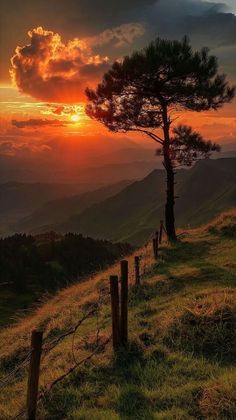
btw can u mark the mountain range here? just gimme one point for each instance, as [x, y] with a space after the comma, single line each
[56, 211]
[133, 211]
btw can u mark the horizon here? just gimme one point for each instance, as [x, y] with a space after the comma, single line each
[42, 115]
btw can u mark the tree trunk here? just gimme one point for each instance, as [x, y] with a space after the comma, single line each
[169, 207]
[170, 199]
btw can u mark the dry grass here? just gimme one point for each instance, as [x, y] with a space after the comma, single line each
[206, 325]
[224, 224]
[218, 399]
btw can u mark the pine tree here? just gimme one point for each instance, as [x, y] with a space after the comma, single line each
[143, 92]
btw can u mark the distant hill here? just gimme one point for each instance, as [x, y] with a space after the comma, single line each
[56, 211]
[19, 199]
[205, 190]
[107, 159]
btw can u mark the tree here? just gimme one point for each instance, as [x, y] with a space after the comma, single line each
[142, 92]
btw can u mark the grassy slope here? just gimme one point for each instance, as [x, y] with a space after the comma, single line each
[156, 378]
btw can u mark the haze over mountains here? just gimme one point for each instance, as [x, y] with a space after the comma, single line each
[131, 211]
[55, 211]
[93, 164]
[19, 199]
[80, 160]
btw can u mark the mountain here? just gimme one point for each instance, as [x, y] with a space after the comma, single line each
[131, 215]
[20, 199]
[78, 160]
[56, 211]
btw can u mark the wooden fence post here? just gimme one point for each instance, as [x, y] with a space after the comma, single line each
[124, 302]
[161, 231]
[157, 243]
[137, 270]
[114, 288]
[34, 370]
[154, 247]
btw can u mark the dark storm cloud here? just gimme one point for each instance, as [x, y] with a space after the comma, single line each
[206, 23]
[216, 29]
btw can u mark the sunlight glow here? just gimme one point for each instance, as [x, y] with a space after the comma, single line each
[75, 117]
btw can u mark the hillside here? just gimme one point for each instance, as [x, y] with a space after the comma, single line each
[205, 190]
[20, 199]
[180, 363]
[55, 211]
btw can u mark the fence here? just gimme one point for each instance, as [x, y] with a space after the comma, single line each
[119, 288]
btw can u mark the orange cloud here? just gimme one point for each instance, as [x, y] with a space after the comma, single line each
[50, 70]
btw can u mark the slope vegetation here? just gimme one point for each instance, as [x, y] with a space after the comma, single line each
[204, 191]
[185, 304]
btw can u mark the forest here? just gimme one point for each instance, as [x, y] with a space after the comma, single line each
[49, 261]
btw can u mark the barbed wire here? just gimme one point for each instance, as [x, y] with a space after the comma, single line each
[50, 345]
[12, 374]
[76, 364]
[49, 387]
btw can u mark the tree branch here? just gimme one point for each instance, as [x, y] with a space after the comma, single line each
[152, 135]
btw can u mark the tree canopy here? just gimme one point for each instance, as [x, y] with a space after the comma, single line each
[166, 74]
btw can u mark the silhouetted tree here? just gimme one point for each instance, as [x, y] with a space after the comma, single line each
[142, 92]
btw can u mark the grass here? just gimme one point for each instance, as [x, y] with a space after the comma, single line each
[12, 303]
[206, 325]
[180, 362]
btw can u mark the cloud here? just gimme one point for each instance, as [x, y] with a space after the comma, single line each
[49, 70]
[11, 148]
[58, 110]
[35, 123]
[119, 36]
[206, 23]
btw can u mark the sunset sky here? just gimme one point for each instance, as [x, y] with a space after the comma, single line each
[51, 50]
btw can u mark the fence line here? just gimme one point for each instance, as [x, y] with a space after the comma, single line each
[119, 336]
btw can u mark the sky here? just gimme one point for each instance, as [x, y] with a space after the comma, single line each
[50, 51]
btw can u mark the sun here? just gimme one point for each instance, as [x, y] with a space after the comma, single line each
[75, 117]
